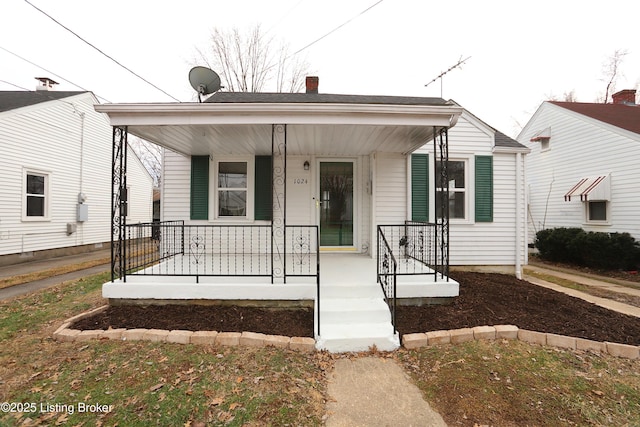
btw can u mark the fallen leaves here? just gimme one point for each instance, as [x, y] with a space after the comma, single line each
[217, 401]
[156, 387]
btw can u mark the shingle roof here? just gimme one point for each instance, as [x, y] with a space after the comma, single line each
[322, 98]
[10, 100]
[623, 116]
[503, 140]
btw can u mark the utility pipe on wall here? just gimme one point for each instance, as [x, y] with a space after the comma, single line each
[518, 215]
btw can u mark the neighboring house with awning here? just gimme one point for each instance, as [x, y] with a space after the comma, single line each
[583, 167]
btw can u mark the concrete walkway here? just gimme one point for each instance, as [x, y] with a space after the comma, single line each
[373, 391]
[591, 281]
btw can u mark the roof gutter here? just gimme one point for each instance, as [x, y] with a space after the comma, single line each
[268, 113]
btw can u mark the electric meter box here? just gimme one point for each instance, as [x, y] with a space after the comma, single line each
[83, 212]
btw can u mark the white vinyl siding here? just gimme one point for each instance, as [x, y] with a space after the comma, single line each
[299, 191]
[491, 243]
[581, 147]
[48, 137]
[176, 187]
[391, 188]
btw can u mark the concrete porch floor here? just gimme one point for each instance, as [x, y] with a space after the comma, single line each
[353, 314]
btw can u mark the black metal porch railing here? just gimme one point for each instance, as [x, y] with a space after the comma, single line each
[171, 248]
[149, 243]
[416, 247]
[302, 245]
[387, 273]
[302, 242]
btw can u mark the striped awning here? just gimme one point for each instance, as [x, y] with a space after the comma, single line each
[592, 188]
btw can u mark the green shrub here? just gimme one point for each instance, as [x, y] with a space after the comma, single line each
[603, 251]
[553, 243]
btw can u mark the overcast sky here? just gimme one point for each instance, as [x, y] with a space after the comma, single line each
[521, 53]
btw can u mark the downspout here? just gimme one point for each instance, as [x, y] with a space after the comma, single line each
[518, 215]
[374, 205]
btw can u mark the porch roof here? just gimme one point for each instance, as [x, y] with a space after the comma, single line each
[321, 124]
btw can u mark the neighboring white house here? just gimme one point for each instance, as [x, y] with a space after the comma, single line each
[321, 199]
[55, 179]
[583, 167]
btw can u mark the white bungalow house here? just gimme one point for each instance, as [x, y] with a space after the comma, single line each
[55, 188]
[583, 169]
[331, 201]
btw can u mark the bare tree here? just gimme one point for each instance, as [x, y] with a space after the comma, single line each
[249, 62]
[150, 155]
[611, 71]
[570, 96]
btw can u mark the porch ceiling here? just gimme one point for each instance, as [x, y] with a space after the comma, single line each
[301, 139]
[321, 129]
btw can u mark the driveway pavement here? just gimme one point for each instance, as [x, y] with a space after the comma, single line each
[51, 264]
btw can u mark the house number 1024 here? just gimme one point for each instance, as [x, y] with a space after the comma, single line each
[300, 181]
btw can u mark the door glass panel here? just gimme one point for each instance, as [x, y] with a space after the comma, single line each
[336, 207]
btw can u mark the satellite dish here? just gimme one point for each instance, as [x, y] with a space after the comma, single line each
[204, 80]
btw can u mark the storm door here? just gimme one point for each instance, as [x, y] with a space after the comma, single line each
[336, 204]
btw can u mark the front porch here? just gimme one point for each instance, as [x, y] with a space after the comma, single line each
[354, 296]
[242, 171]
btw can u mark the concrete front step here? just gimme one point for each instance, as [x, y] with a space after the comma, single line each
[345, 337]
[354, 310]
[355, 318]
[351, 291]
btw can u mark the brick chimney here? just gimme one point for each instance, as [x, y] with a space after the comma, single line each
[625, 96]
[45, 83]
[312, 84]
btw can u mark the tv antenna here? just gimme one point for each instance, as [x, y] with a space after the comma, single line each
[204, 80]
[453, 67]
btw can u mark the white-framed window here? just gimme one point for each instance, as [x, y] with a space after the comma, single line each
[597, 212]
[36, 198]
[545, 144]
[233, 188]
[458, 189]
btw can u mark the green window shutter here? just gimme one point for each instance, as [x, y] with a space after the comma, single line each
[484, 188]
[420, 187]
[199, 187]
[263, 190]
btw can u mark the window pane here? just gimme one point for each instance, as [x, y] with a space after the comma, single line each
[597, 211]
[35, 206]
[456, 204]
[455, 172]
[232, 175]
[232, 203]
[35, 184]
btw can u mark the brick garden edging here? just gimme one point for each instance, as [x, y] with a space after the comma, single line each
[306, 344]
[249, 339]
[510, 332]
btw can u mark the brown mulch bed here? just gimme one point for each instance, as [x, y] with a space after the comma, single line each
[485, 299]
[287, 322]
[497, 299]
